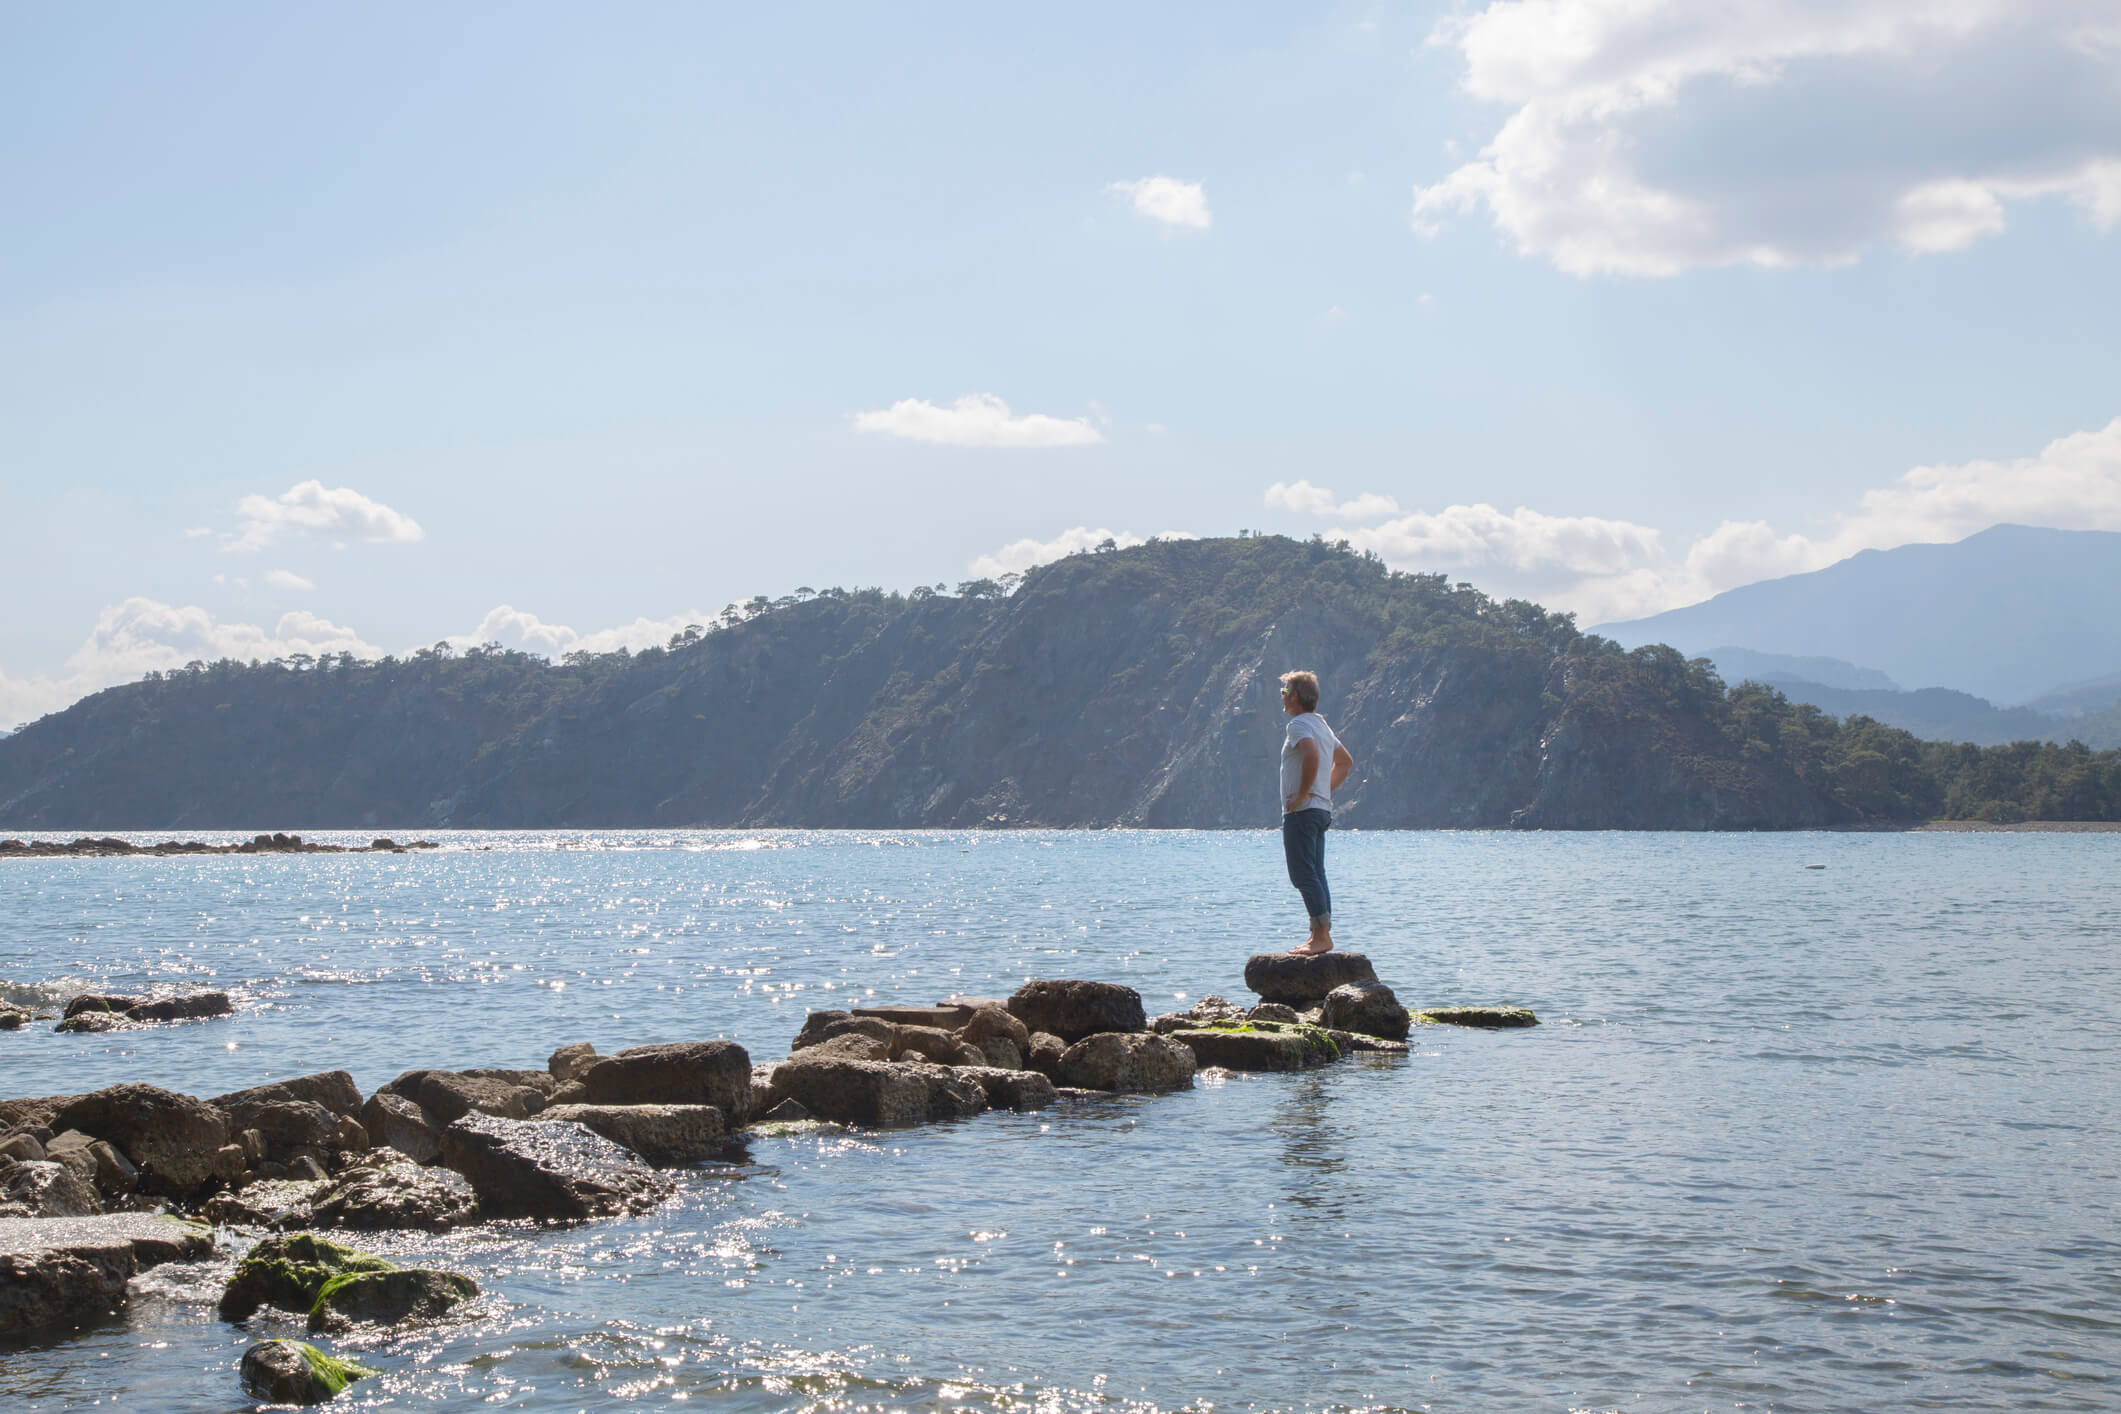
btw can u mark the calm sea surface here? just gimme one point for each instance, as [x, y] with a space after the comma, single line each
[1790, 1138]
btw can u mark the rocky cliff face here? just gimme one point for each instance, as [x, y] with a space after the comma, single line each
[1129, 688]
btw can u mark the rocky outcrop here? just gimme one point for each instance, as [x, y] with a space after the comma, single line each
[393, 1192]
[550, 1169]
[275, 1204]
[822, 1026]
[568, 1062]
[294, 1372]
[41, 1188]
[392, 1121]
[931, 1043]
[333, 1089]
[1045, 1053]
[82, 1013]
[1074, 1009]
[876, 1094]
[1259, 1046]
[716, 1073]
[290, 1272]
[449, 1095]
[1011, 1089]
[1132, 1062]
[57, 1274]
[389, 1298]
[1488, 1018]
[661, 1134]
[174, 1139]
[1366, 1007]
[1303, 980]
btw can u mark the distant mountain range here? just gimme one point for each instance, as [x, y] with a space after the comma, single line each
[2004, 615]
[1127, 687]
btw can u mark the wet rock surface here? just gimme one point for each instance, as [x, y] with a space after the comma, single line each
[395, 1122]
[289, 1273]
[57, 1274]
[295, 1372]
[661, 1134]
[43, 1188]
[449, 1095]
[1259, 1046]
[172, 1138]
[549, 1169]
[389, 1298]
[1301, 980]
[394, 1193]
[1486, 1018]
[1073, 1009]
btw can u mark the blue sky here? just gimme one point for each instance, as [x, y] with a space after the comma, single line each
[361, 327]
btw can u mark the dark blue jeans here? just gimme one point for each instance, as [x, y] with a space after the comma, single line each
[1303, 840]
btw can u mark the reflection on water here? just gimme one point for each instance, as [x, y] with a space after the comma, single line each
[1790, 1139]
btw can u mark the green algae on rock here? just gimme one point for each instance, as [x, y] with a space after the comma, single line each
[1487, 1018]
[1259, 1045]
[295, 1372]
[290, 1272]
[386, 1298]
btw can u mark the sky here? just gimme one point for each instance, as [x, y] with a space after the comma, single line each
[357, 328]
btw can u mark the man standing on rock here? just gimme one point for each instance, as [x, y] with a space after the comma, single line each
[1307, 786]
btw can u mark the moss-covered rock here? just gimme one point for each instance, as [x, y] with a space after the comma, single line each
[386, 1298]
[294, 1372]
[1260, 1045]
[1488, 1018]
[290, 1272]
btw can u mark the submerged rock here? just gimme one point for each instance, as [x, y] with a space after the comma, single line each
[59, 1273]
[109, 1002]
[190, 1007]
[1492, 1018]
[550, 1169]
[1259, 1046]
[1072, 1010]
[1303, 980]
[290, 1272]
[1131, 1062]
[387, 1298]
[94, 1023]
[714, 1073]
[14, 1018]
[295, 1372]
[174, 1139]
[661, 1134]
[1368, 1007]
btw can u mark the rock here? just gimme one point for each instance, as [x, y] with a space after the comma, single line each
[14, 1018]
[1300, 979]
[568, 1062]
[1045, 1053]
[541, 1081]
[661, 1134]
[304, 1166]
[1000, 1053]
[290, 1272]
[714, 1073]
[764, 1095]
[116, 1175]
[945, 1018]
[349, 1136]
[879, 1094]
[21, 1146]
[333, 1089]
[394, 1193]
[59, 1273]
[822, 1026]
[1490, 1018]
[191, 1007]
[1259, 1046]
[398, 1123]
[551, 1169]
[850, 1045]
[1072, 1010]
[1353, 1041]
[952, 1094]
[99, 1001]
[572, 1092]
[448, 1096]
[295, 1372]
[288, 1127]
[33, 1113]
[1367, 1007]
[786, 1112]
[1133, 1062]
[277, 1203]
[93, 1023]
[992, 1021]
[387, 1298]
[1272, 1011]
[46, 1188]
[173, 1138]
[1010, 1089]
[929, 1043]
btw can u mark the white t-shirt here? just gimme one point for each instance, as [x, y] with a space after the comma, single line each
[1308, 726]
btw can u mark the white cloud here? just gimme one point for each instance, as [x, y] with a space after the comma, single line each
[198, 532]
[1305, 499]
[976, 420]
[1649, 137]
[315, 509]
[1021, 555]
[143, 635]
[517, 628]
[1169, 201]
[1605, 570]
[287, 579]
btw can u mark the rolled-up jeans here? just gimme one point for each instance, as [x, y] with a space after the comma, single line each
[1303, 840]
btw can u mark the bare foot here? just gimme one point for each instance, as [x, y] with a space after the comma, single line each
[1312, 947]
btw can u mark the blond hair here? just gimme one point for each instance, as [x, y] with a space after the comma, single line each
[1304, 686]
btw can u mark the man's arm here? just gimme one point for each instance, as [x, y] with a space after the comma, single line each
[1308, 750]
[1342, 764]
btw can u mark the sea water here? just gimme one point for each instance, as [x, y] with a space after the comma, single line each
[1789, 1137]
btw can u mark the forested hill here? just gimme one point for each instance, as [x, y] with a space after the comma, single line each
[1128, 687]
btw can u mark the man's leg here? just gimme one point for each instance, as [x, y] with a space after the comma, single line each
[1303, 835]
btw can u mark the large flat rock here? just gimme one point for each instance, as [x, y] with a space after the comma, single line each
[1304, 979]
[1247, 1047]
[57, 1274]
